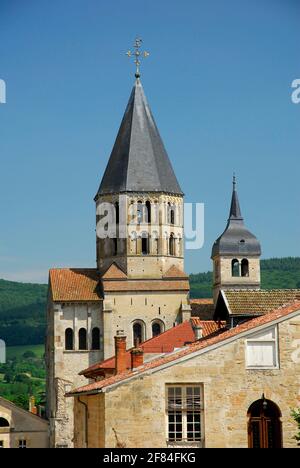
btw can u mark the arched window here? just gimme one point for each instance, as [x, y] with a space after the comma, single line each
[138, 333]
[235, 268]
[264, 425]
[139, 212]
[148, 212]
[69, 339]
[4, 422]
[245, 267]
[96, 338]
[171, 245]
[82, 338]
[157, 328]
[117, 211]
[171, 214]
[145, 244]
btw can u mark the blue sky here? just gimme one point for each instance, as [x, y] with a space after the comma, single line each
[218, 81]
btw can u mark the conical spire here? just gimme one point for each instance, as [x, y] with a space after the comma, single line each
[236, 239]
[235, 210]
[139, 161]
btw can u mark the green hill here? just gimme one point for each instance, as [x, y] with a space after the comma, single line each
[22, 313]
[23, 306]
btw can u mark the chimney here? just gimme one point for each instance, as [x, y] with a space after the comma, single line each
[137, 358]
[198, 330]
[120, 352]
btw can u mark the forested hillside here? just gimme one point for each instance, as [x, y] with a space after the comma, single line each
[22, 313]
[23, 306]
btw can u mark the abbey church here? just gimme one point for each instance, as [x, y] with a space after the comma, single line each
[127, 347]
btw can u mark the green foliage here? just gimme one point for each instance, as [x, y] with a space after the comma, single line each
[276, 273]
[29, 354]
[22, 312]
[296, 416]
[23, 376]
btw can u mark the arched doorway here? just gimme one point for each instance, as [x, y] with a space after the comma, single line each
[264, 425]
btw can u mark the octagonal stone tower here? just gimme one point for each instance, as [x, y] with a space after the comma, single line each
[147, 202]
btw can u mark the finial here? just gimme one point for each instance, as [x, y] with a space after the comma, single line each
[234, 181]
[138, 54]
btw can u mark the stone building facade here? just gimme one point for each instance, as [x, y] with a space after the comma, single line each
[20, 428]
[233, 398]
[139, 285]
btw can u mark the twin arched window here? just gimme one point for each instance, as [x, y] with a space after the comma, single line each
[82, 339]
[238, 269]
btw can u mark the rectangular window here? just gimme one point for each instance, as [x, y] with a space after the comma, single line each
[184, 413]
[22, 443]
[262, 350]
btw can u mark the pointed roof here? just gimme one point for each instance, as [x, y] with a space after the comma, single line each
[139, 161]
[114, 272]
[175, 272]
[236, 239]
[235, 210]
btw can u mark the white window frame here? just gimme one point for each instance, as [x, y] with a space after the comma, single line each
[253, 339]
[184, 440]
[22, 443]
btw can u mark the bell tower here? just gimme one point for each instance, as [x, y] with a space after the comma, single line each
[235, 254]
[139, 195]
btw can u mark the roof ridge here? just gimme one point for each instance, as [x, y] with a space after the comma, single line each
[203, 343]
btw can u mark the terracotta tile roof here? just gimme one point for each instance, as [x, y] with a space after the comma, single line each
[75, 284]
[166, 342]
[114, 272]
[202, 308]
[259, 301]
[197, 346]
[175, 272]
[146, 285]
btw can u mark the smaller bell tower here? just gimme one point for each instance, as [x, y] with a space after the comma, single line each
[235, 254]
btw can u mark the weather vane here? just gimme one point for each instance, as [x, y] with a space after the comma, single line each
[137, 54]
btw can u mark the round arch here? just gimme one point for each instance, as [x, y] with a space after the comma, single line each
[157, 327]
[264, 424]
[138, 332]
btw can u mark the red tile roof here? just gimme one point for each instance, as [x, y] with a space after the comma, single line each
[222, 337]
[114, 272]
[166, 342]
[75, 284]
[175, 272]
[202, 308]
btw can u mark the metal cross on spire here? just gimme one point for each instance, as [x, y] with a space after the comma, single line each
[137, 54]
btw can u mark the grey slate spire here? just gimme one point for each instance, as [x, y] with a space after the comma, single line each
[236, 239]
[235, 210]
[139, 161]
